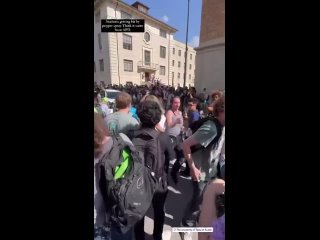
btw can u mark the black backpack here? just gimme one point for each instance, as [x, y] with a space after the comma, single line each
[147, 143]
[128, 198]
[197, 124]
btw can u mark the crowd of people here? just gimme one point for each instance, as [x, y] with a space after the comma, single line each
[168, 128]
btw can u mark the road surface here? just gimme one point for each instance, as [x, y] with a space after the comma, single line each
[176, 202]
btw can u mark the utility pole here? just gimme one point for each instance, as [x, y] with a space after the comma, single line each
[186, 54]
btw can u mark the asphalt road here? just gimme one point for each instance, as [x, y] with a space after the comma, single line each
[176, 202]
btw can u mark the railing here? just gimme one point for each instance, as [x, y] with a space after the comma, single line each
[148, 65]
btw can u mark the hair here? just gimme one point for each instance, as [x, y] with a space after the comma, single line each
[174, 98]
[216, 93]
[193, 100]
[218, 106]
[123, 100]
[100, 132]
[149, 113]
[155, 99]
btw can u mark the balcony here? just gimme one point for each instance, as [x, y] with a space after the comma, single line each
[147, 66]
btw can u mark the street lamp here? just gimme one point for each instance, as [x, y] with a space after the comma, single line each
[186, 55]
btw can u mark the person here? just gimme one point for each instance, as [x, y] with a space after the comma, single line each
[133, 112]
[104, 106]
[149, 112]
[193, 115]
[209, 216]
[215, 95]
[203, 166]
[97, 105]
[104, 228]
[122, 121]
[161, 125]
[173, 129]
[102, 145]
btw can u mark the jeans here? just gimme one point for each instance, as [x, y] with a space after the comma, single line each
[116, 234]
[192, 210]
[176, 144]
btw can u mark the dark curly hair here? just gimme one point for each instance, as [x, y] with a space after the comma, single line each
[149, 113]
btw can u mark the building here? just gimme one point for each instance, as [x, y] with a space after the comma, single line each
[138, 57]
[210, 63]
[177, 58]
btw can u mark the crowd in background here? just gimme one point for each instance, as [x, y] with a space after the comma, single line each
[191, 131]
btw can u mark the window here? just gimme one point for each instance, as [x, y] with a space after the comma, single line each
[147, 57]
[179, 53]
[125, 15]
[172, 75]
[94, 66]
[127, 42]
[162, 52]
[173, 63]
[189, 76]
[190, 56]
[128, 65]
[163, 33]
[97, 17]
[179, 64]
[101, 65]
[147, 37]
[162, 70]
[112, 95]
[142, 9]
[173, 51]
[190, 66]
[178, 75]
[99, 41]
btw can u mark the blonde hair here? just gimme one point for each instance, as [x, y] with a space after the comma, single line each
[153, 98]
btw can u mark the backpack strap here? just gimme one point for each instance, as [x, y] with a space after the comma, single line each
[215, 139]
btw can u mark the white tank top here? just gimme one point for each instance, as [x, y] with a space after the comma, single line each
[174, 131]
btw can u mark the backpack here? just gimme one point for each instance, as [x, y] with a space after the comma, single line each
[147, 143]
[127, 186]
[197, 124]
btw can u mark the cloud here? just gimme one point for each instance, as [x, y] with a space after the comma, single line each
[195, 41]
[165, 18]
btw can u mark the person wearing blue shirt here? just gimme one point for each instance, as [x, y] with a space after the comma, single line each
[133, 111]
[193, 113]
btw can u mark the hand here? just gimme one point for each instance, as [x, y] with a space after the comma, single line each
[195, 174]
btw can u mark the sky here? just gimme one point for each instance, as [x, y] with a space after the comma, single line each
[174, 13]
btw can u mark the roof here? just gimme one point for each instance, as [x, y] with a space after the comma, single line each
[138, 11]
[139, 3]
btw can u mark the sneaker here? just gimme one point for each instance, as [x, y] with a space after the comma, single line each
[184, 177]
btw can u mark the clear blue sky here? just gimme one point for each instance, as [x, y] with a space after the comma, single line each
[174, 13]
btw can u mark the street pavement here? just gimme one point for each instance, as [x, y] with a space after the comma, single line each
[177, 199]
